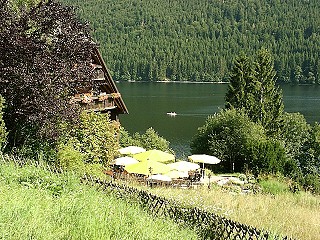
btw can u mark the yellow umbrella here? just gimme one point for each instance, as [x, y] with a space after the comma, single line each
[147, 167]
[155, 155]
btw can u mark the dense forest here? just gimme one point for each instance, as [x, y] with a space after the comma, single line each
[197, 40]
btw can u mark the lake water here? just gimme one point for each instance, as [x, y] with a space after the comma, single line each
[148, 104]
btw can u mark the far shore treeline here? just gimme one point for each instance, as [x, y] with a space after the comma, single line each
[196, 40]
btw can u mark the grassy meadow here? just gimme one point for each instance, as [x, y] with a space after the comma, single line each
[37, 204]
[292, 214]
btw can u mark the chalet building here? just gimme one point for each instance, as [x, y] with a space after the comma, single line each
[104, 96]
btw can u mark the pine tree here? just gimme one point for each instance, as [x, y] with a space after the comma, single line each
[252, 88]
[240, 77]
[268, 106]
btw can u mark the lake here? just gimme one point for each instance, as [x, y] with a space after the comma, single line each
[149, 103]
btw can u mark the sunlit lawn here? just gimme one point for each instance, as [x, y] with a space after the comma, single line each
[36, 204]
[293, 214]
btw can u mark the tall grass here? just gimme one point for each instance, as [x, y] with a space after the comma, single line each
[37, 204]
[292, 214]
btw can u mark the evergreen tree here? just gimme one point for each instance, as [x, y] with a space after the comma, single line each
[190, 36]
[268, 106]
[240, 77]
[252, 88]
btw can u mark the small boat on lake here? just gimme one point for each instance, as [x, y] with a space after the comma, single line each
[172, 114]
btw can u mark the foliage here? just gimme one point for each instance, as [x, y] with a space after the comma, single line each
[241, 76]
[70, 157]
[148, 140]
[274, 185]
[252, 88]
[45, 57]
[311, 182]
[309, 159]
[267, 156]
[228, 135]
[196, 40]
[294, 132]
[268, 105]
[95, 138]
[126, 139]
[3, 132]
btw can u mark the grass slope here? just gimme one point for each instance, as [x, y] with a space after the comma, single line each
[284, 213]
[36, 204]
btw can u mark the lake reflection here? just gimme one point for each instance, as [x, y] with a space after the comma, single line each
[148, 104]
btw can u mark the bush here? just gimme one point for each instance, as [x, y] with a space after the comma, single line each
[94, 140]
[311, 182]
[294, 132]
[227, 135]
[148, 140]
[274, 186]
[267, 157]
[70, 158]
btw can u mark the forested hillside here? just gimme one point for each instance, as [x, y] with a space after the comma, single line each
[197, 40]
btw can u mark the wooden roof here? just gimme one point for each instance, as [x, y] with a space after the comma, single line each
[110, 87]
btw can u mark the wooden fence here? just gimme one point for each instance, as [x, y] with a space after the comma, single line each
[208, 225]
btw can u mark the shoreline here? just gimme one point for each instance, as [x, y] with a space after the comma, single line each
[221, 82]
[187, 82]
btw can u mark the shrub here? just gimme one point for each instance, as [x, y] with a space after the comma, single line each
[267, 156]
[94, 139]
[294, 132]
[311, 182]
[227, 135]
[274, 186]
[148, 140]
[70, 158]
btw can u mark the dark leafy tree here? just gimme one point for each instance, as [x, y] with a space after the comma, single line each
[267, 156]
[45, 56]
[294, 132]
[309, 159]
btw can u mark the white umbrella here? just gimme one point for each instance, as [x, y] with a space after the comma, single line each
[184, 166]
[203, 158]
[177, 174]
[124, 161]
[131, 150]
[160, 177]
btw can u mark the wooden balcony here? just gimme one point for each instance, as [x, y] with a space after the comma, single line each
[98, 103]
